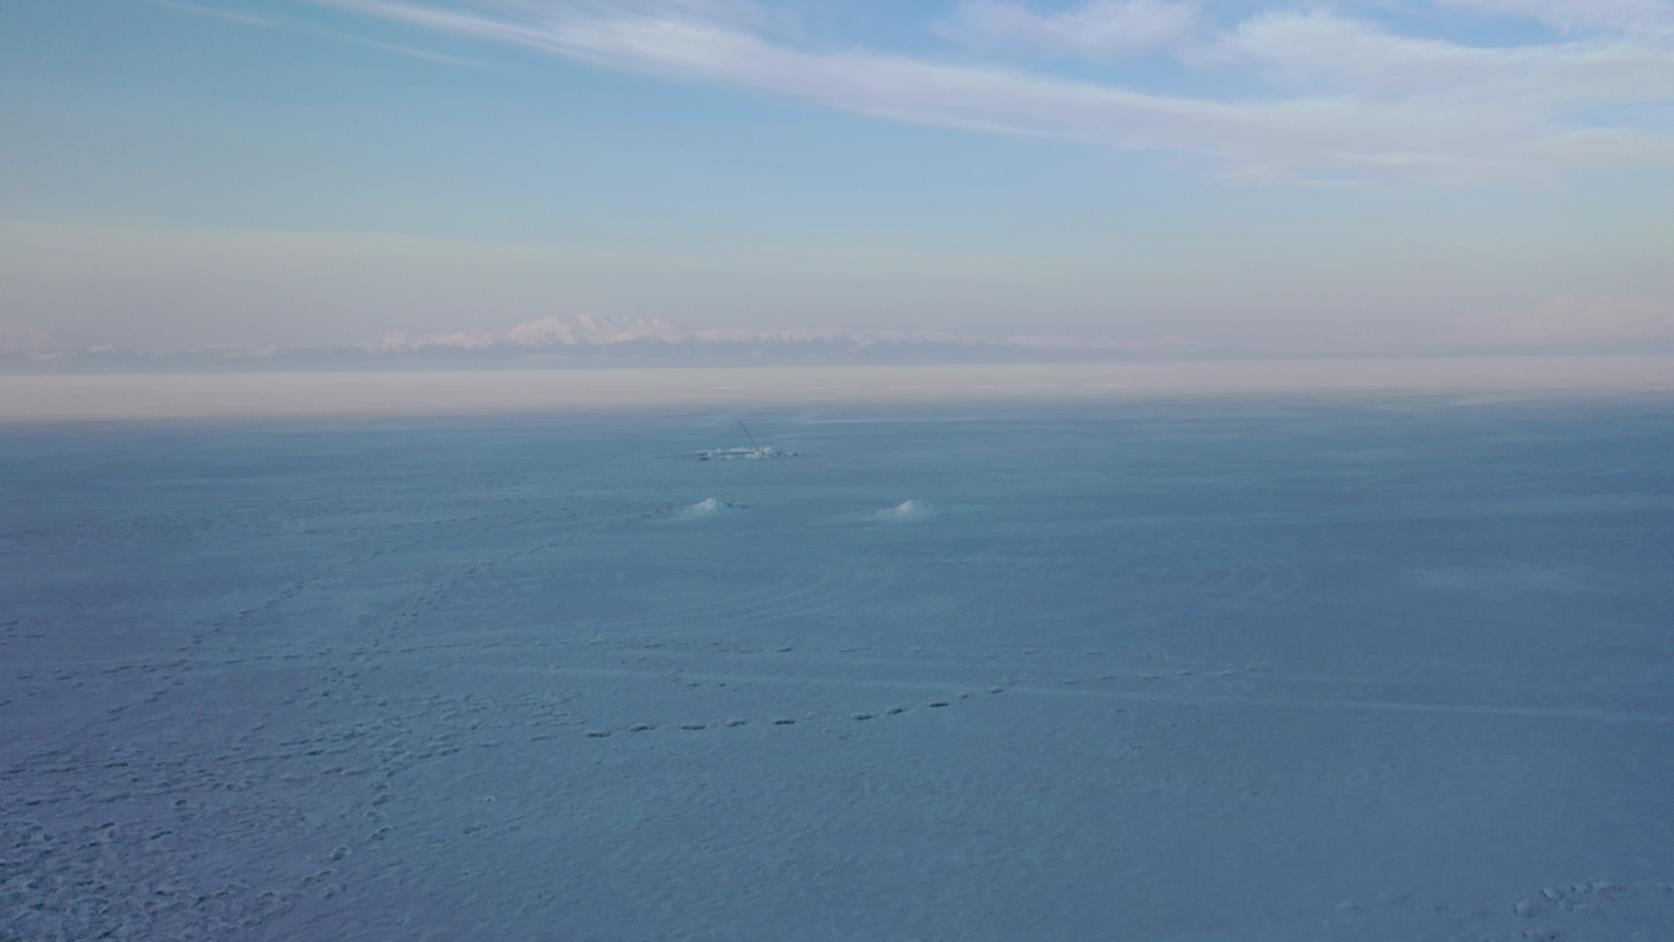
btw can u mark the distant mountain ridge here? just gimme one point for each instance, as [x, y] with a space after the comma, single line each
[595, 340]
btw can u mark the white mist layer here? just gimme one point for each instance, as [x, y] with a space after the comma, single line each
[28, 397]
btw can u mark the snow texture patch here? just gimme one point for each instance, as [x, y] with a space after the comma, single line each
[1172, 676]
[1513, 578]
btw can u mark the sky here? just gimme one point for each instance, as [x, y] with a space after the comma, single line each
[1363, 177]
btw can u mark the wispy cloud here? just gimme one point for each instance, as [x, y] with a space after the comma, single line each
[273, 23]
[1094, 29]
[230, 16]
[1343, 99]
[413, 52]
[1356, 58]
[1633, 16]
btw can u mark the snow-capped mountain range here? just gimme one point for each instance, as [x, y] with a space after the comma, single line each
[597, 340]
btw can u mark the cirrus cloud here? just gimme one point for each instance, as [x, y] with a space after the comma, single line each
[1306, 95]
[1096, 29]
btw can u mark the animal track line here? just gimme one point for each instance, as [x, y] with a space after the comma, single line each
[1081, 688]
[819, 718]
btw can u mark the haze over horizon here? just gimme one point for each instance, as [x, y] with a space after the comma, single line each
[1365, 177]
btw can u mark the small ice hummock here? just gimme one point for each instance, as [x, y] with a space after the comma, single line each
[704, 509]
[905, 511]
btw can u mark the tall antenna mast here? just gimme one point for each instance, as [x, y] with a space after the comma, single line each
[747, 434]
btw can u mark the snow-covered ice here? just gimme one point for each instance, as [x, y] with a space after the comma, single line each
[1200, 670]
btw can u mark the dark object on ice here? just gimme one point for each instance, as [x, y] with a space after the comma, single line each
[755, 450]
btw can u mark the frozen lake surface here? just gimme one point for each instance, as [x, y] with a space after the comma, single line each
[1388, 669]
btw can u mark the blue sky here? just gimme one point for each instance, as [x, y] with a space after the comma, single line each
[1300, 177]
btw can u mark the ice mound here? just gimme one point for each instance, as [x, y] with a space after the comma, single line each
[907, 510]
[708, 507]
[703, 509]
[744, 454]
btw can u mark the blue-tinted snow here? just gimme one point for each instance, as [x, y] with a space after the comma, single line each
[1194, 671]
